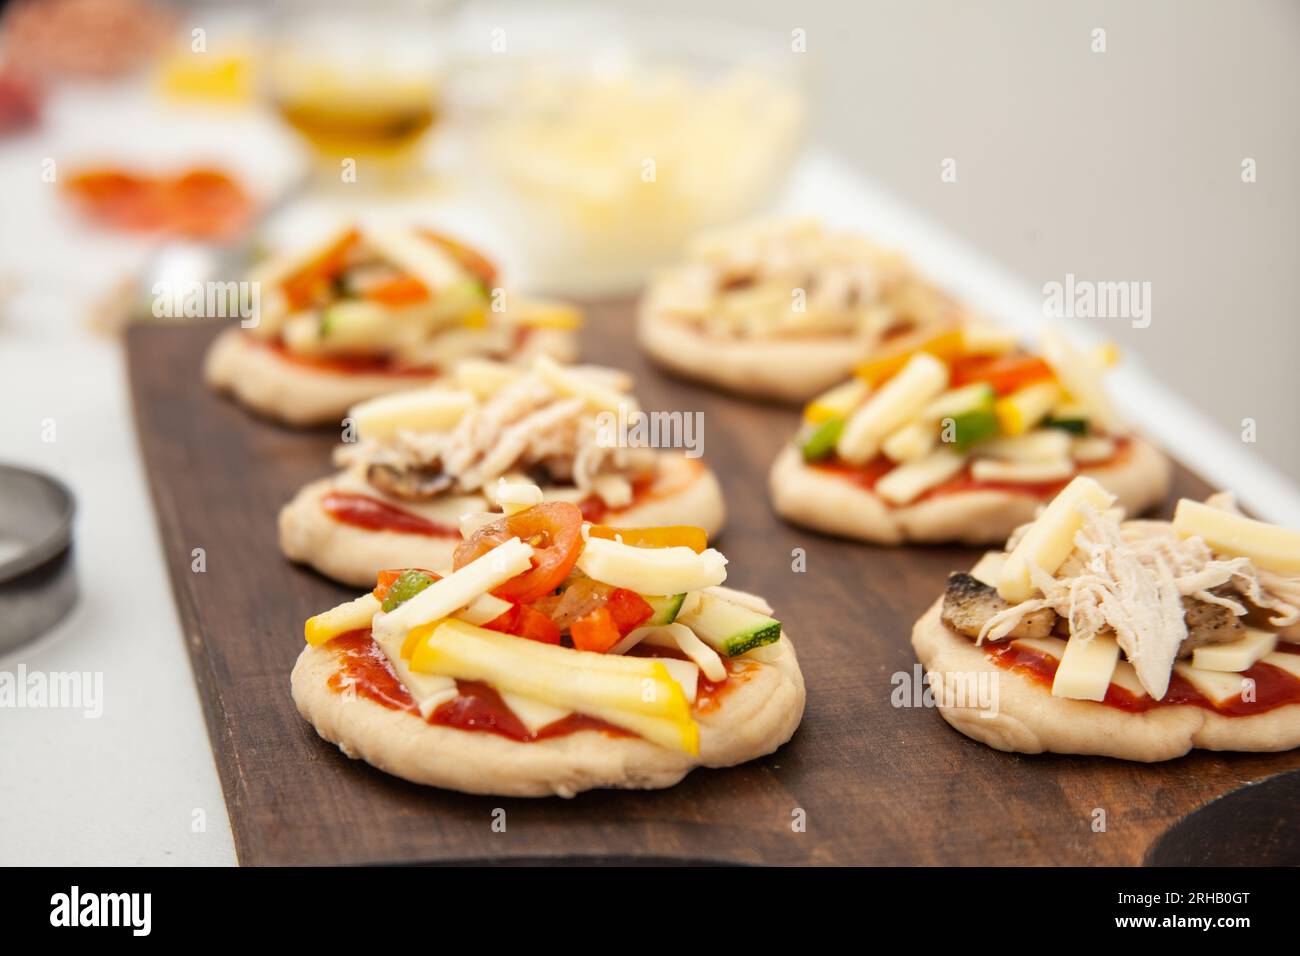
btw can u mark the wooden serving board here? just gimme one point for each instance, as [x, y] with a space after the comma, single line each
[871, 783]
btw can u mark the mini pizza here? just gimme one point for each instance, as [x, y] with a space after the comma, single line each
[1130, 639]
[374, 311]
[784, 310]
[424, 462]
[555, 656]
[960, 439]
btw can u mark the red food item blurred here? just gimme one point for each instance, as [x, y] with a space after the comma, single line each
[95, 39]
[20, 99]
[197, 204]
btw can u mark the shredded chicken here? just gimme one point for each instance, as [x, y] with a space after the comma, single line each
[739, 281]
[525, 427]
[1130, 579]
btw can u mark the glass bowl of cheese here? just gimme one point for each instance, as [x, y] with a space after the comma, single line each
[602, 149]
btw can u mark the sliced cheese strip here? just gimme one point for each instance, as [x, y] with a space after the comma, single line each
[417, 256]
[651, 570]
[671, 734]
[1093, 448]
[1042, 444]
[471, 521]
[614, 490]
[686, 674]
[766, 653]
[745, 599]
[595, 395]
[684, 639]
[1086, 668]
[1219, 686]
[516, 496]
[545, 315]
[986, 338]
[1267, 545]
[484, 608]
[1022, 472]
[898, 401]
[911, 442]
[1051, 646]
[1022, 410]
[989, 567]
[350, 616]
[560, 676]
[483, 377]
[908, 482]
[1050, 539]
[533, 714]
[419, 410]
[429, 691]
[1288, 662]
[839, 402]
[1081, 374]
[1125, 676]
[441, 598]
[1238, 655]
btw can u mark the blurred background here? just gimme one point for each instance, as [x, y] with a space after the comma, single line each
[1003, 145]
[1114, 156]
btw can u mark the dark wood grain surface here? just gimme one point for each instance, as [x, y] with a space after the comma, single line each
[874, 784]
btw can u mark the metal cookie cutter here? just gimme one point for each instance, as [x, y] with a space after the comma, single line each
[38, 583]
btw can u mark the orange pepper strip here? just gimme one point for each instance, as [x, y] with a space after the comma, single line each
[400, 290]
[1006, 373]
[595, 631]
[681, 535]
[945, 346]
[300, 287]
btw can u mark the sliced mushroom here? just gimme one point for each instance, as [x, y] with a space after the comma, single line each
[968, 603]
[418, 483]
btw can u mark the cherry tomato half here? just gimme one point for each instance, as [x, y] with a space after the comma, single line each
[553, 528]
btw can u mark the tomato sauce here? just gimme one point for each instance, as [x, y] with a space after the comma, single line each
[649, 488]
[363, 364]
[364, 668]
[1274, 687]
[708, 695]
[372, 514]
[866, 476]
[198, 203]
[363, 511]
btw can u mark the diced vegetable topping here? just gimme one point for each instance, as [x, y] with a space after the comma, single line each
[523, 621]
[661, 570]
[821, 441]
[728, 628]
[351, 616]
[1003, 374]
[973, 426]
[664, 607]
[839, 402]
[945, 345]
[669, 536]
[554, 531]
[407, 586]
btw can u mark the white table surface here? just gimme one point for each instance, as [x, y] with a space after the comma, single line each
[125, 788]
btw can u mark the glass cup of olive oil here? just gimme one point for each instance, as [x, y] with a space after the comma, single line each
[359, 81]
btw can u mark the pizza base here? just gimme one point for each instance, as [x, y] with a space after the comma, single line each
[827, 503]
[1030, 720]
[752, 720]
[353, 555]
[785, 369]
[300, 395]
